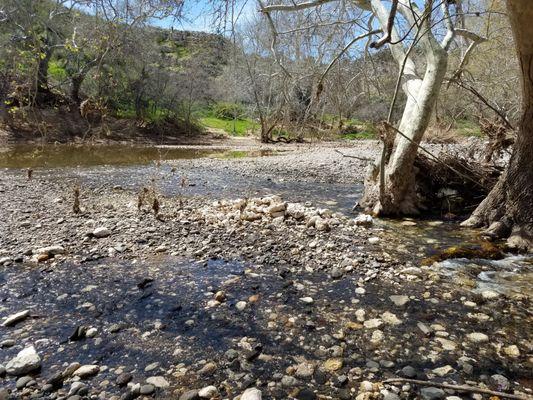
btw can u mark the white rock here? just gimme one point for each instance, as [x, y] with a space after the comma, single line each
[241, 305]
[295, 210]
[512, 350]
[442, 371]
[477, 337]
[373, 323]
[101, 232]
[158, 382]
[490, 294]
[390, 318]
[251, 394]
[14, 318]
[307, 300]
[208, 392]
[360, 290]
[399, 300]
[27, 360]
[373, 240]
[364, 220]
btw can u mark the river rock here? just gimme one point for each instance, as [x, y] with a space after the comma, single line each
[477, 337]
[147, 389]
[208, 392]
[123, 379]
[158, 381]
[304, 370]
[87, 370]
[364, 220]
[500, 382]
[399, 300]
[251, 394]
[512, 350]
[432, 393]
[241, 305]
[442, 371]
[15, 318]
[101, 232]
[190, 395]
[51, 250]
[23, 381]
[27, 360]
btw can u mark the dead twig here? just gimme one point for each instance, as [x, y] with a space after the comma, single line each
[357, 158]
[464, 388]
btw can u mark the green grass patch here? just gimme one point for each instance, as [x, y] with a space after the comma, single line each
[468, 128]
[238, 127]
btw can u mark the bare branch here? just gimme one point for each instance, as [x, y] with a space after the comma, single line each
[293, 7]
[390, 25]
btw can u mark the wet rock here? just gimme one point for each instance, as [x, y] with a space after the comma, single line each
[56, 380]
[477, 337]
[208, 392]
[86, 371]
[432, 393]
[190, 395]
[220, 296]
[26, 361]
[13, 319]
[147, 389]
[2, 371]
[22, 382]
[123, 379]
[158, 381]
[70, 369]
[101, 232]
[499, 382]
[306, 394]
[252, 394]
[408, 372]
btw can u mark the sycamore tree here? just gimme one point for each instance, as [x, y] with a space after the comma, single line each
[507, 211]
[421, 36]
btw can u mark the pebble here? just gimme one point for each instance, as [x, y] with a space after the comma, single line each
[123, 379]
[101, 232]
[23, 381]
[399, 300]
[408, 372]
[333, 364]
[241, 305]
[86, 371]
[477, 337]
[306, 300]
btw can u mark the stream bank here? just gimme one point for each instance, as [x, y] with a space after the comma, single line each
[253, 274]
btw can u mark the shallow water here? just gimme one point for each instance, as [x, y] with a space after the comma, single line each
[61, 155]
[512, 276]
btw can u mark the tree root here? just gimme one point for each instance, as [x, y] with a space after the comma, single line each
[463, 388]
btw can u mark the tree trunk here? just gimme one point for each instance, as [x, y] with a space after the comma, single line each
[399, 196]
[508, 209]
[75, 87]
[42, 72]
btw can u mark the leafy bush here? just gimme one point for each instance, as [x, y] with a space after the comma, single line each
[225, 110]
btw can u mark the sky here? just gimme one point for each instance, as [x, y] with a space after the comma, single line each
[198, 16]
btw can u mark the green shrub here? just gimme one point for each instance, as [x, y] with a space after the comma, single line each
[225, 110]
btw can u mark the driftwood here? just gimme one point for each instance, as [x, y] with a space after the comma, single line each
[463, 388]
[356, 157]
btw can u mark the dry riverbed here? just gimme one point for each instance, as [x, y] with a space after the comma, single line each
[234, 290]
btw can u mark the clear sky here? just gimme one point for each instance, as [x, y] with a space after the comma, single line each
[198, 15]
